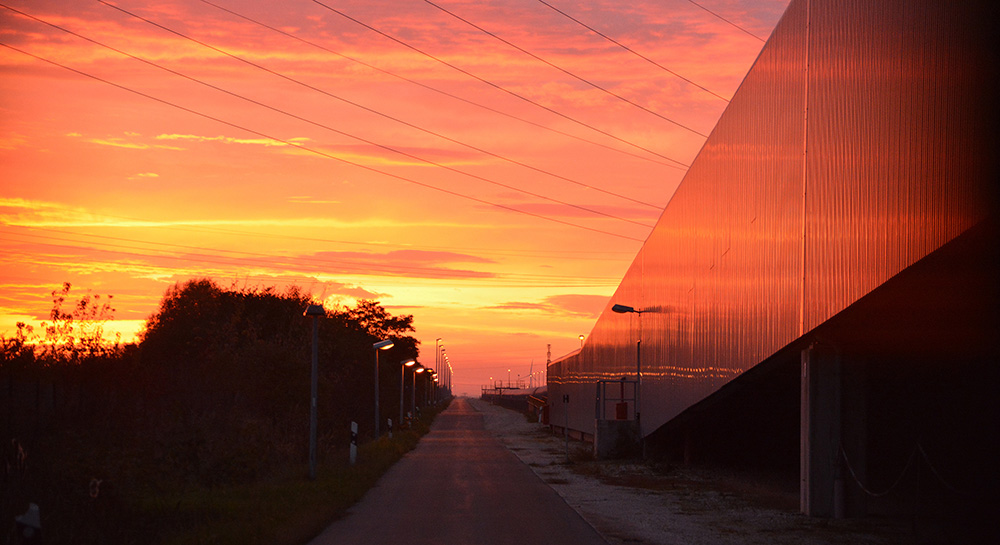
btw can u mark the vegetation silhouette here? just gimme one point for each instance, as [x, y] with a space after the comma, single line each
[214, 394]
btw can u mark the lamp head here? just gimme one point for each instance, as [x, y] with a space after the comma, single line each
[410, 363]
[622, 309]
[314, 310]
[383, 345]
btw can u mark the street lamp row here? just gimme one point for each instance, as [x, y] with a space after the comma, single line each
[317, 311]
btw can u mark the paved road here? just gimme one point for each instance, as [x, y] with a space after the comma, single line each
[460, 486]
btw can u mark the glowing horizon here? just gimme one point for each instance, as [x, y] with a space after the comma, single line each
[501, 233]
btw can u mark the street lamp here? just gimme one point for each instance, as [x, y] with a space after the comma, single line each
[447, 365]
[623, 309]
[438, 349]
[315, 311]
[380, 345]
[402, 380]
[417, 369]
[427, 388]
[581, 342]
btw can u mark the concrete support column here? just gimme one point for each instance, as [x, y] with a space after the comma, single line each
[854, 432]
[833, 440]
[821, 482]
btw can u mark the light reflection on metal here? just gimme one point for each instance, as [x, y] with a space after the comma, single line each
[856, 145]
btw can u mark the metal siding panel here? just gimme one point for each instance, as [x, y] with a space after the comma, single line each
[789, 214]
[891, 171]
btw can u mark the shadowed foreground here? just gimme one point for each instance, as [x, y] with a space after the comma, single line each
[460, 486]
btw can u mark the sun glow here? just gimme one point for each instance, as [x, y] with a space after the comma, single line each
[492, 196]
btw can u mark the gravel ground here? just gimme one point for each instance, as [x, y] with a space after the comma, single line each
[632, 502]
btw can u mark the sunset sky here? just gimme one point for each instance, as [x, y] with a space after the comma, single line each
[490, 167]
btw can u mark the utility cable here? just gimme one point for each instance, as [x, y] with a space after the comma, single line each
[312, 150]
[501, 88]
[629, 49]
[567, 72]
[728, 21]
[323, 126]
[886, 492]
[937, 474]
[447, 94]
[376, 112]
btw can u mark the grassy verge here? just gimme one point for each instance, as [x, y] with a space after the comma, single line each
[286, 511]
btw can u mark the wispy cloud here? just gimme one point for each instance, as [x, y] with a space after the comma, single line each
[131, 140]
[33, 213]
[267, 142]
[579, 305]
[304, 199]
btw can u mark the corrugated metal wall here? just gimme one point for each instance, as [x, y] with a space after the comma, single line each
[855, 146]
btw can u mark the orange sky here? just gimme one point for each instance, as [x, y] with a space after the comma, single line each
[499, 206]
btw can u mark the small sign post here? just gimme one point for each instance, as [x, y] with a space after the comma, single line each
[354, 442]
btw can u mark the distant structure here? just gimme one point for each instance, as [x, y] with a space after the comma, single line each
[820, 297]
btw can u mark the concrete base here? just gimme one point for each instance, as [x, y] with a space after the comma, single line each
[616, 439]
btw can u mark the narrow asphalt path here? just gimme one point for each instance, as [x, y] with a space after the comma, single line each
[460, 486]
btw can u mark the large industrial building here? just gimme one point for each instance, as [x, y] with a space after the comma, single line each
[820, 296]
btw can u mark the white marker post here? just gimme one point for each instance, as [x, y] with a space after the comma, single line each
[354, 442]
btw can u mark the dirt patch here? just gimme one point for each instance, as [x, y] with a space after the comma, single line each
[634, 502]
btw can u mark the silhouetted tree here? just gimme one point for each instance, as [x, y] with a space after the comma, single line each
[242, 355]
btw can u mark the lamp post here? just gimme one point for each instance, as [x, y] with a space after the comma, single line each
[581, 342]
[402, 380]
[380, 345]
[428, 385]
[623, 309]
[416, 369]
[437, 351]
[447, 369]
[315, 311]
[451, 373]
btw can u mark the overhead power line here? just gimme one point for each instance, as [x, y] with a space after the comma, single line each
[312, 150]
[501, 88]
[601, 88]
[323, 126]
[629, 49]
[728, 21]
[449, 95]
[367, 109]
